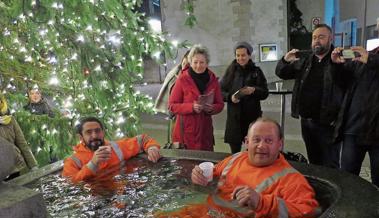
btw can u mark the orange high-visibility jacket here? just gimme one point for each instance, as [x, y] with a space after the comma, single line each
[283, 190]
[79, 166]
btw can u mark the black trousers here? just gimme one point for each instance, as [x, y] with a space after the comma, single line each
[235, 148]
[318, 139]
[353, 153]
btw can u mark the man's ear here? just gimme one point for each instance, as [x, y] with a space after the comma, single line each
[80, 137]
[246, 140]
[281, 144]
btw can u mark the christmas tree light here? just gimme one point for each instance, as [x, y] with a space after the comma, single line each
[85, 55]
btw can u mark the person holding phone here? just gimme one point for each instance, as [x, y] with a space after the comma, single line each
[94, 156]
[243, 86]
[317, 96]
[357, 129]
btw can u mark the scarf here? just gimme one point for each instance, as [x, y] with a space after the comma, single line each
[201, 80]
[4, 118]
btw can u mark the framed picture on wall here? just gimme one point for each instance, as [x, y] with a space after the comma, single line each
[268, 52]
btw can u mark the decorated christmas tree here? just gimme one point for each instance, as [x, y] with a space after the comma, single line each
[83, 54]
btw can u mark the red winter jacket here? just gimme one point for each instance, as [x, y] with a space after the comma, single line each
[198, 128]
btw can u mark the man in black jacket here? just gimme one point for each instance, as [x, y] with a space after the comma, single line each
[358, 122]
[317, 96]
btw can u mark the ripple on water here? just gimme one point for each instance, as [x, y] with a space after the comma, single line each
[141, 190]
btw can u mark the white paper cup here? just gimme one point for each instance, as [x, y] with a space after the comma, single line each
[207, 168]
[279, 86]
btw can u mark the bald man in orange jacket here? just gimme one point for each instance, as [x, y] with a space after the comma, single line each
[258, 182]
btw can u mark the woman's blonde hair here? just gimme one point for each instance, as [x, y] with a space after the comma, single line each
[199, 49]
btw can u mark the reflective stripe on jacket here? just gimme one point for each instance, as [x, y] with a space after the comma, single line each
[284, 191]
[79, 166]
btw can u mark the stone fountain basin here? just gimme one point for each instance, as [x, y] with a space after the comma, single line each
[340, 194]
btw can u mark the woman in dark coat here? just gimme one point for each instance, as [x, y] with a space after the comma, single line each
[243, 87]
[38, 105]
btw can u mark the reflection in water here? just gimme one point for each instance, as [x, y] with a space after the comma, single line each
[143, 189]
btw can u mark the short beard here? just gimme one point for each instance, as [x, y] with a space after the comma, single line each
[94, 144]
[320, 49]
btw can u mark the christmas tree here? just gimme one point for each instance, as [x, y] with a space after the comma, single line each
[85, 55]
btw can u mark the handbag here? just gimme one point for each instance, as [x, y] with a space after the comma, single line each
[175, 145]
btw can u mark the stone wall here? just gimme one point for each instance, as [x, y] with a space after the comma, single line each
[222, 23]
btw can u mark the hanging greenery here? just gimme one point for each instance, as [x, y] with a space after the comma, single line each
[85, 55]
[295, 21]
[189, 10]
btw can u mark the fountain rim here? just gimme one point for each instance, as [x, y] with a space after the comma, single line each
[345, 202]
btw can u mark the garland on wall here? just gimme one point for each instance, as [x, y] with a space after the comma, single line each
[190, 20]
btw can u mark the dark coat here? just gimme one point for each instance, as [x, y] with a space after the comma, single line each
[371, 121]
[42, 107]
[360, 112]
[241, 114]
[333, 90]
[197, 127]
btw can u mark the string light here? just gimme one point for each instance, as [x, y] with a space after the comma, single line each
[83, 62]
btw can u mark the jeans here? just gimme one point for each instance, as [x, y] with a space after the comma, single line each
[353, 153]
[318, 139]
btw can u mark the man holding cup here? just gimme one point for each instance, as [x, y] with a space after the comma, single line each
[94, 155]
[260, 181]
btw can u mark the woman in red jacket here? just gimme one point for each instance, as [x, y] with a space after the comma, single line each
[195, 97]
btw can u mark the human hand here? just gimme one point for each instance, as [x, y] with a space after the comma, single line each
[235, 100]
[197, 176]
[197, 107]
[247, 90]
[363, 54]
[336, 56]
[208, 108]
[291, 56]
[102, 154]
[246, 196]
[153, 154]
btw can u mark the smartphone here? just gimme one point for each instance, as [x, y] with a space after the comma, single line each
[303, 53]
[349, 54]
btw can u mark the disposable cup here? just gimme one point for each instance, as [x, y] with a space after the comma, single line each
[207, 168]
[279, 86]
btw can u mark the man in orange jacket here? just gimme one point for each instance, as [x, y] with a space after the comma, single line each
[95, 156]
[260, 182]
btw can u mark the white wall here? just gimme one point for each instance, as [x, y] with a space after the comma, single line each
[221, 23]
[311, 9]
[355, 9]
